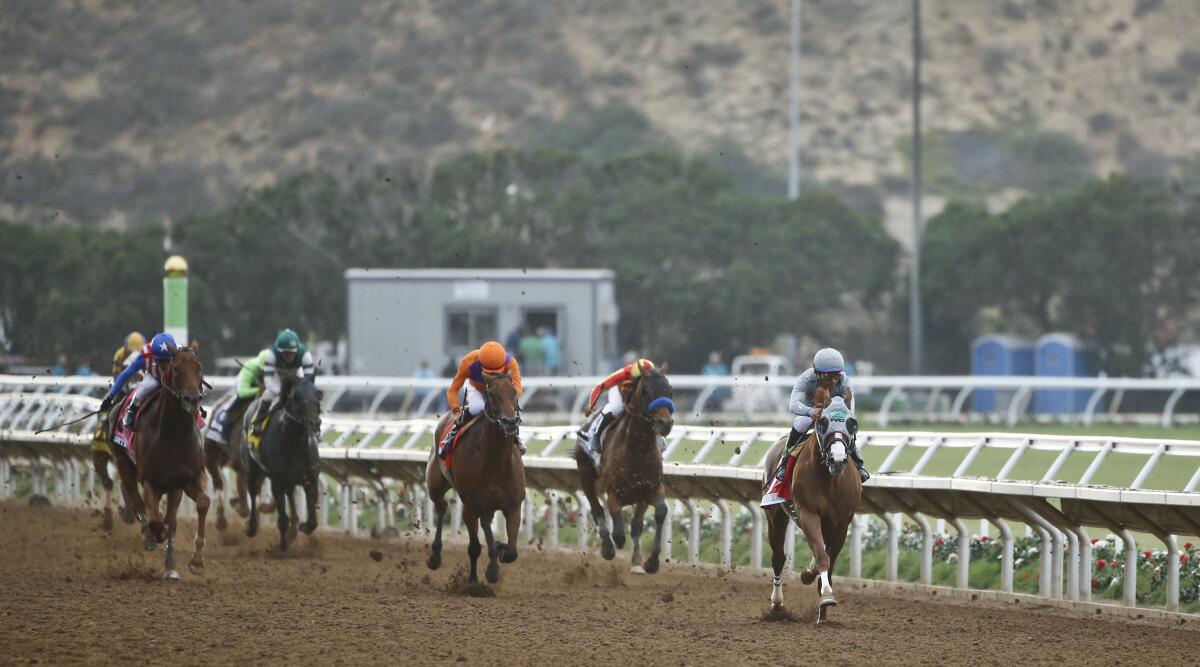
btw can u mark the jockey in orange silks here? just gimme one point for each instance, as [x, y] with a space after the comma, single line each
[490, 359]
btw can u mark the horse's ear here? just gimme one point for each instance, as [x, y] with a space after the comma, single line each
[852, 426]
[663, 367]
[823, 424]
[320, 395]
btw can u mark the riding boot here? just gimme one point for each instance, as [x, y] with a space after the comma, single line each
[452, 433]
[793, 438]
[256, 426]
[592, 440]
[130, 415]
[858, 463]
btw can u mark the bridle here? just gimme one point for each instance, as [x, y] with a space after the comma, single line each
[309, 425]
[826, 438]
[189, 403]
[646, 413]
[489, 413]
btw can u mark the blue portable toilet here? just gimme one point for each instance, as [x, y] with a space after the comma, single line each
[1059, 355]
[998, 354]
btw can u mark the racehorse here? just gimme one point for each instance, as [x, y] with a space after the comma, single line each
[101, 456]
[631, 469]
[170, 458]
[219, 454]
[487, 475]
[825, 499]
[288, 457]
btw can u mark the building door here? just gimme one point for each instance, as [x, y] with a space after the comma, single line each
[542, 346]
[469, 327]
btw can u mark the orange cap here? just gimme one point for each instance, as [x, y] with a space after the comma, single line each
[492, 357]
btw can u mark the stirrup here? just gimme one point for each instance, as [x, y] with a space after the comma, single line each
[789, 506]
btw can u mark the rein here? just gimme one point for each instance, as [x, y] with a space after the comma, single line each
[169, 375]
[488, 412]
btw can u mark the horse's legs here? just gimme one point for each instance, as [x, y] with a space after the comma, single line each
[836, 538]
[607, 550]
[100, 465]
[292, 532]
[197, 492]
[473, 548]
[155, 530]
[310, 500]
[282, 493]
[618, 529]
[777, 524]
[492, 573]
[635, 535]
[437, 494]
[173, 498]
[512, 526]
[254, 481]
[813, 533]
[660, 517]
[212, 461]
[240, 503]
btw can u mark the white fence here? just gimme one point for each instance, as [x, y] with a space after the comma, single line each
[980, 479]
[886, 399]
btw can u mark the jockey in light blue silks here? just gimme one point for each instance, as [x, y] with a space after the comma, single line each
[828, 371]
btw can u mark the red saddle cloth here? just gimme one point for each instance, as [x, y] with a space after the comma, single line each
[448, 458]
[124, 437]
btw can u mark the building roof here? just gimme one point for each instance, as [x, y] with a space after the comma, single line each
[479, 274]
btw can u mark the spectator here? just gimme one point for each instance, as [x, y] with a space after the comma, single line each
[531, 354]
[423, 372]
[551, 354]
[715, 366]
[60, 366]
[84, 369]
[513, 343]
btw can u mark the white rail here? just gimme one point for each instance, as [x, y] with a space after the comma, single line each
[724, 465]
[757, 398]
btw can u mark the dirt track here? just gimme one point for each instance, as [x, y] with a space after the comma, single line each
[70, 592]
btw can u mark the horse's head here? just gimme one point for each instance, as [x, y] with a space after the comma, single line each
[500, 398]
[184, 378]
[836, 430]
[651, 401]
[302, 403]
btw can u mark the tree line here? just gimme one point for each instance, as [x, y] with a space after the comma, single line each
[701, 263]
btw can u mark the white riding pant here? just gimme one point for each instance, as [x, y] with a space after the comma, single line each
[149, 384]
[476, 404]
[616, 403]
[801, 423]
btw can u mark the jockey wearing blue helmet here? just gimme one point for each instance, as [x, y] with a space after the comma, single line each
[151, 360]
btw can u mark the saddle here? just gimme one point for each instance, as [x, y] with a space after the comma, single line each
[446, 463]
[255, 440]
[124, 437]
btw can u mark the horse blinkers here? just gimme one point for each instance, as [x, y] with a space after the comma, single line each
[835, 446]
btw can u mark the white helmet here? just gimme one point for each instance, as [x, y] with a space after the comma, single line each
[828, 360]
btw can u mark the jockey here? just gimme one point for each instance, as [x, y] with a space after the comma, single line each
[126, 353]
[490, 358]
[287, 355]
[828, 371]
[616, 385]
[151, 360]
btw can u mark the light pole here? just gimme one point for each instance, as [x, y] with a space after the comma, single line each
[175, 291]
[794, 108]
[914, 310]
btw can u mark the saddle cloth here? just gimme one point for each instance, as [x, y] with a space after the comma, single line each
[447, 461]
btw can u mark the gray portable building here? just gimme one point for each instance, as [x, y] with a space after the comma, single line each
[397, 319]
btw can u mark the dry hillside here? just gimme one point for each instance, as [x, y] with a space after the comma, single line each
[114, 111]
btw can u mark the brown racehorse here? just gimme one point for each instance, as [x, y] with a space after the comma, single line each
[488, 476]
[825, 499]
[219, 455]
[170, 458]
[631, 469]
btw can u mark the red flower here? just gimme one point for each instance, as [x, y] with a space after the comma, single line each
[1100, 564]
[1187, 545]
[983, 538]
[937, 542]
[1183, 559]
[1146, 555]
[1095, 583]
[1026, 575]
[1095, 540]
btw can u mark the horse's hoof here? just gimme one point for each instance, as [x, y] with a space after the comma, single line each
[292, 534]
[308, 528]
[171, 575]
[607, 551]
[434, 561]
[196, 568]
[651, 565]
[637, 569]
[619, 540]
[505, 553]
[807, 577]
[222, 524]
[107, 524]
[251, 530]
[492, 573]
[126, 516]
